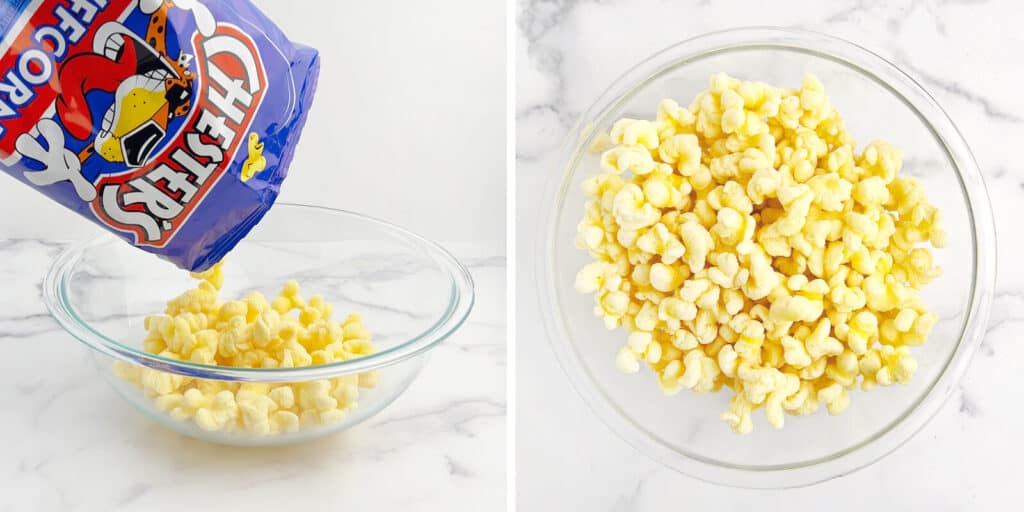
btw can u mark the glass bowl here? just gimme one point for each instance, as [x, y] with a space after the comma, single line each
[410, 292]
[877, 101]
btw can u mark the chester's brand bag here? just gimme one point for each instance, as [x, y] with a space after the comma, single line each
[170, 123]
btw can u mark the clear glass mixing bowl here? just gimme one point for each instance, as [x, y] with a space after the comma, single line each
[410, 292]
[877, 101]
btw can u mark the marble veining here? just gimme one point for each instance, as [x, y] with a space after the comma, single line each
[68, 442]
[962, 53]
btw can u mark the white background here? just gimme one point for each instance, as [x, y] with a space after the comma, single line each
[407, 125]
[967, 54]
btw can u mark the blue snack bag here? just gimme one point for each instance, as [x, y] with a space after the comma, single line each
[169, 123]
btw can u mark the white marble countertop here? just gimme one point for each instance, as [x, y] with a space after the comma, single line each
[69, 443]
[965, 54]
[397, 82]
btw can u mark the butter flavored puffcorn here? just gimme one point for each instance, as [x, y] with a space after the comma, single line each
[743, 242]
[290, 331]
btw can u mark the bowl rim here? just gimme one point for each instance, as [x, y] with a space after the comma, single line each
[461, 301]
[932, 116]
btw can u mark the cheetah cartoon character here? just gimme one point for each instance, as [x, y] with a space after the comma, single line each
[149, 90]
